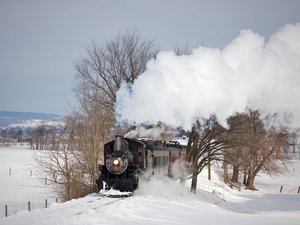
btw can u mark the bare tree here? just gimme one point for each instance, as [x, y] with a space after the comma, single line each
[39, 136]
[182, 50]
[75, 157]
[122, 59]
[99, 77]
[206, 144]
[90, 130]
[241, 131]
[247, 145]
[263, 157]
[256, 148]
[60, 167]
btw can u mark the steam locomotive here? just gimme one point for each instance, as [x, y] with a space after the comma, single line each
[126, 159]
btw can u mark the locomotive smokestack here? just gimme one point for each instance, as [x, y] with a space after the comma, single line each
[118, 143]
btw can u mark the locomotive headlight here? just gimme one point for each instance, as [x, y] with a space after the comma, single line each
[116, 162]
[116, 165]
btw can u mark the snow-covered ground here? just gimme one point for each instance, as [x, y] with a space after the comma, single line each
[21, 182]
[158, 201]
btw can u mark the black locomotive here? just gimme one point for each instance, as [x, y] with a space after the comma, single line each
[126, 159]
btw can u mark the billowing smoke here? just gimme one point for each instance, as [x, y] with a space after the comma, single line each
[250, 72]
[143, 132]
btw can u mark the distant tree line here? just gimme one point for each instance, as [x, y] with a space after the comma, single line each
[38, 137]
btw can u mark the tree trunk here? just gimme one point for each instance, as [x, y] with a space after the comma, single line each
[209, 169]
[194, 184]
[194, 180]
[250, 182]
[245, 176]
[235, 174]
[251, 176]
[225, 178]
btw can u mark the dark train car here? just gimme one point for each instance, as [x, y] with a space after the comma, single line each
[126, 159]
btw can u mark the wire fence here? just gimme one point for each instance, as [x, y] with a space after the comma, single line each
[13, 209]
[30, 176]
[293, 190]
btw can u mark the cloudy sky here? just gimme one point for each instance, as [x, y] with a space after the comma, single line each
[41, 40]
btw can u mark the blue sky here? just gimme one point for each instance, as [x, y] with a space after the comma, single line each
[41, 40]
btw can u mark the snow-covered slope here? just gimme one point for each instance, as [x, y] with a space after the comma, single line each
[161, 201]
[7, 118]
[36, 123]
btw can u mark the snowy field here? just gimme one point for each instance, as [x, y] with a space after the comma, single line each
[21, 182]
[159, 201]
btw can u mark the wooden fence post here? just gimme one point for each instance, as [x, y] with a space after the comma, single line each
[31, 173]
[45, 181]
[56, 200]
[9, 172]
[6, 211]
[46, 203]
[281, 189]
[29, 206]
[298, 189]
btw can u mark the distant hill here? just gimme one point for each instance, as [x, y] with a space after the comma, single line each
[7, 117]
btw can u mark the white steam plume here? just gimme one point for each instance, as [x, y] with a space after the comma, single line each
[249, 72]
[142, 132]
